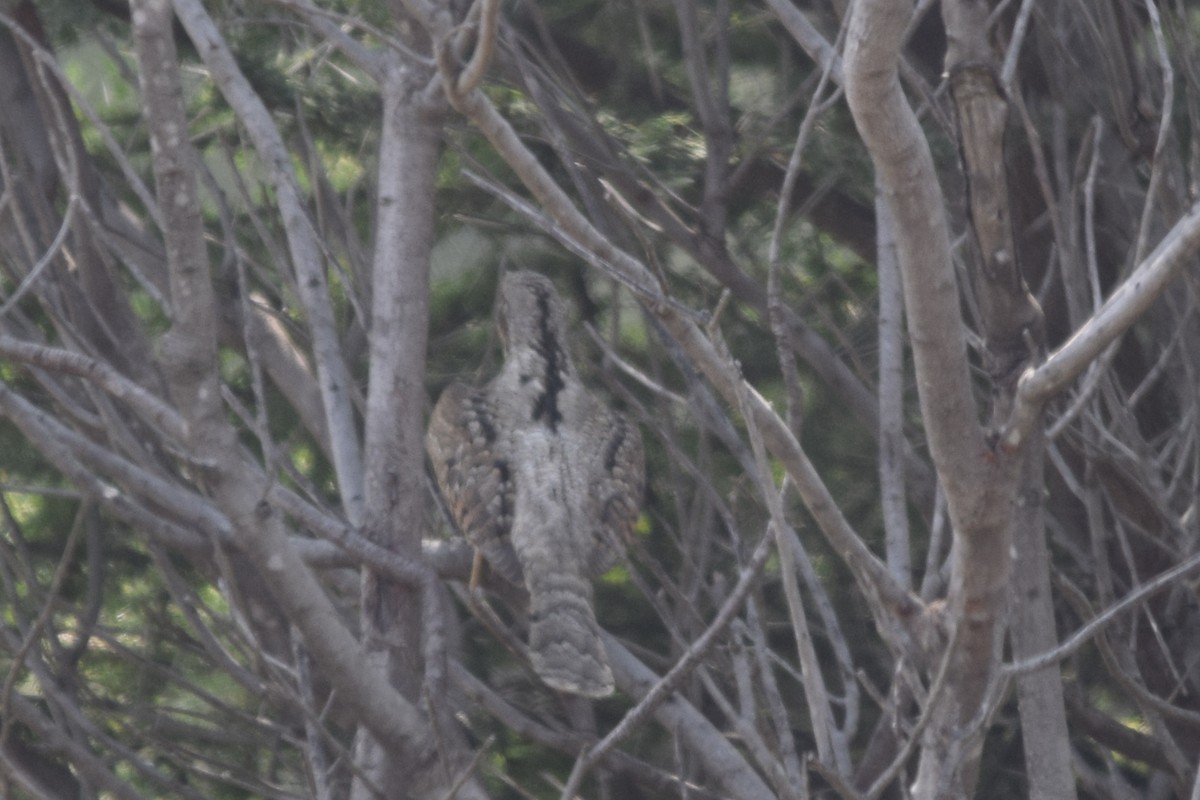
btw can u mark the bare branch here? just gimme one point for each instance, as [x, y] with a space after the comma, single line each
[485, 43]
[891, 398]
[654, 696]
[905, 168]
[722, 760]
[1122, 308]
[303, 246]
[141, 401]
[807, 36]
[1104, 618]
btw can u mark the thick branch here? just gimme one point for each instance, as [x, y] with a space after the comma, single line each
[239, 488]
[1010, 317]
[303, 247]
[979, 490]
[1014, 335]
[909, 182]
[191, 347]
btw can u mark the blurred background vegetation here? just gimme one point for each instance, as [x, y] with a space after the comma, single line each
[177, 693]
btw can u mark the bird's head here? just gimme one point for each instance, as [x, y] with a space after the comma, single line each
[533, 323]
[530, 314]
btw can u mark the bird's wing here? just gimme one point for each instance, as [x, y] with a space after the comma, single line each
[615, 493]
[473, 474]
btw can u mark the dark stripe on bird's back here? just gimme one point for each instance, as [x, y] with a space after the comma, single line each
[545, 407]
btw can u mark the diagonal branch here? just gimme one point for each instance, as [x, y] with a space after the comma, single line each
[888, 600]
[238, 486]
[667, 684]
[145, 404]
[303, 245]
[1122, 308]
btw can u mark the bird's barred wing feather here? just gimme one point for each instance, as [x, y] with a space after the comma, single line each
[615, 493]
[473, 474]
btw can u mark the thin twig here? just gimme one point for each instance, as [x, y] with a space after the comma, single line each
[1150, 208]
[31, 277]
[1009, 70]
[1097, 623]
[667, 684]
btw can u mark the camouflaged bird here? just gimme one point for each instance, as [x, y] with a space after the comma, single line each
[544, 481]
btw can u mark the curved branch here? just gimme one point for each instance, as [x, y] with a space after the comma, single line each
[472, 74]
[906, 174]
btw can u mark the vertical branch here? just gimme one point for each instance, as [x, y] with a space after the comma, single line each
[1150, 209]
[831, 746]
[238, 487]
[1047, 743]
[399, 620]
[979, 489]
[1014, 336]
[891, 398]
[831, 742]
[904, 164]
[711, 93]
[190, 352]
[1010, 317]
[776, 310]
[409, 150]
[304, 248]
[787, 764]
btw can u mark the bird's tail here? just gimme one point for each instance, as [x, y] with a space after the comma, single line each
[564, 638]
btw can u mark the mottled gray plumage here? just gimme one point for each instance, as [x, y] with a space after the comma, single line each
[543, 480]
